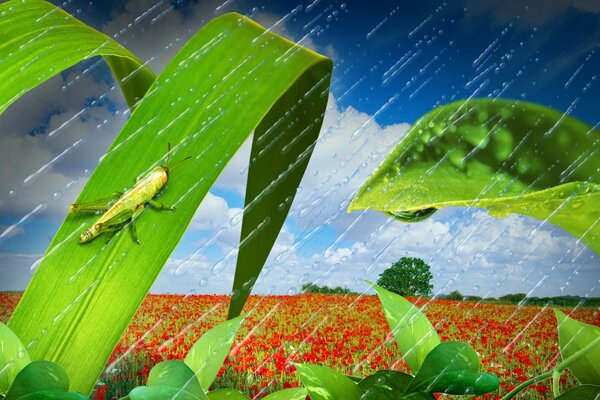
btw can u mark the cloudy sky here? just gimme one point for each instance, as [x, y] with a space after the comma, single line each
[392, 64]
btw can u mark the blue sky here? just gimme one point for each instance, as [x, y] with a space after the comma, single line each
[392, 64]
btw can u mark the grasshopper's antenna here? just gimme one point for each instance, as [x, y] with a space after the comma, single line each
[179, 162]
[168, 155]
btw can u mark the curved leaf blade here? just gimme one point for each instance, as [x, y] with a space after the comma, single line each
[413, 332]
[323, 383]
[502, 155]
[573, 336]
[207, 355]
[453, 368]
[90, 292]
[13, 358]
[39, 40]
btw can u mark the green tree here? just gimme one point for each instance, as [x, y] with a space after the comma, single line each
[455, 295]
[408, 276]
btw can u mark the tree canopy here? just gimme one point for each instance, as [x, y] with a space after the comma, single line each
[408, 276]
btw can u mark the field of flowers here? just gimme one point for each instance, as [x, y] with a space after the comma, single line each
[348, 333]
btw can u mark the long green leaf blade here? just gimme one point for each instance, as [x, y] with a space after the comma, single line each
[415, 335]
[39, 40]
[506, 156]
[573, 336]
[323, 383]
[229, 77]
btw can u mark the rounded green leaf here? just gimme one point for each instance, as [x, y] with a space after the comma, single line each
[326, 384]
[572, 337]
[288, 394]
[389, 385]
[413, 332]
[38, 376]
[453, 368]
[207, 355]
[591, 392]
[227, 394]
[175, 374]
[503, 155]
[161, 393]
[13, 358]
[54, 395]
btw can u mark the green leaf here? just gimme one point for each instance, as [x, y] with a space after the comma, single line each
[207, 355]
[42, 380]
[389, 385]
[40, 40]
[453, 368]
[573, 336]
[413, 332]
[288, 394]
[13, 358]
[231, 79]
[170, 379]
[227, 394]
[591, 392]
[326, 384]
[504, 155]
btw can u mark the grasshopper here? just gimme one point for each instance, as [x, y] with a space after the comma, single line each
[122, 208]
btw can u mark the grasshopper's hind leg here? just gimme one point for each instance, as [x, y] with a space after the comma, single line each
[96, 206]
[160, 206]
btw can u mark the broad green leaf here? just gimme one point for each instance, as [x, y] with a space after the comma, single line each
[589, 392]
[413, 332]
[231, 79]
[453, 368]
[42, 380]
[170, 379]
[39, 40]
[389, 385]
[573, 336]
[13, 358]
[323, 383]
[288, 394]
[207, 355]
[227, 394]
[502, 155]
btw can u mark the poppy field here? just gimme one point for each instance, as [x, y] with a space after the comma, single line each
[348, 333]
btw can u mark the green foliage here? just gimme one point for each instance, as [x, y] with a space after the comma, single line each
[13, 358]
[413, 332]
[581, 392]
[513, 298]
[408, 276]
[83, 296]
[312, 288]
[41, 380]
[207, 355]
[574, 336]
[170, 379]
[503, 155]
[326, 384]
[453, 368]
[455, 295]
